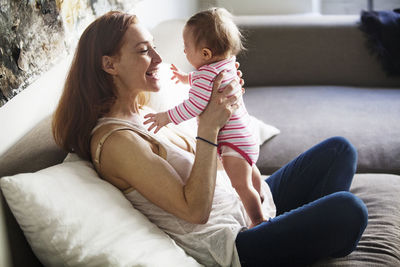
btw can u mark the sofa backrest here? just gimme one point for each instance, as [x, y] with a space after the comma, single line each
[308, 50]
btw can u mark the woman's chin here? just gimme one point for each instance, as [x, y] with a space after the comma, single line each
[156, 87]
[153, 84]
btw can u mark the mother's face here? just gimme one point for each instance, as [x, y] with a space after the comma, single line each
[136, 67]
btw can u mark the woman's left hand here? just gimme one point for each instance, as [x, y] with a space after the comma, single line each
[240, 74]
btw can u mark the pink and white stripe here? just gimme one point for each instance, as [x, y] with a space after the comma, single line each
[237, 132]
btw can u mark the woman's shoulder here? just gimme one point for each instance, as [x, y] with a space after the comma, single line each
[117, 150]
[115, 137]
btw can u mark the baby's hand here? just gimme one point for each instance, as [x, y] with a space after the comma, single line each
[158, 120]
[180, 76]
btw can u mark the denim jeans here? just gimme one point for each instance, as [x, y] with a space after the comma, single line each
[316, 215]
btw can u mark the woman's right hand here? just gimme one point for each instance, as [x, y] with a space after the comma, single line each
[222, 104]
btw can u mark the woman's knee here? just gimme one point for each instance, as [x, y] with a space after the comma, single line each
[348, 210]
[354, 218]
[340, 143]
[344, 150]
[343, 145]
[354, 207]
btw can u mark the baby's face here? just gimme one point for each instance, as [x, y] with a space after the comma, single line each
[193, 54]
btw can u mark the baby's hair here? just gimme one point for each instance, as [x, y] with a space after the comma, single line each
[215, 29]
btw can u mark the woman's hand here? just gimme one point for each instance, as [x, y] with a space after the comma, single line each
[239, 74]
[223, 102]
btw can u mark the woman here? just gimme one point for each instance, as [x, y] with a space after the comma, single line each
[100, 117]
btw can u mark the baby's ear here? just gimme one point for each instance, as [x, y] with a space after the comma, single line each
[206, 53]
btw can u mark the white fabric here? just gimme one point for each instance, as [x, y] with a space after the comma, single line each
[213, 243]
[172, 94]
[228, 151]
[73, 218]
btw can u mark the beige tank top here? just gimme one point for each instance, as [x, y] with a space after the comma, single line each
[213, 243]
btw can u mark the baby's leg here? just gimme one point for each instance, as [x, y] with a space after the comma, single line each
[257, 180]
[240, 174]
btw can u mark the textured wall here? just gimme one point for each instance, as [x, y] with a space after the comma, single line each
[36, 34]
[31, 36]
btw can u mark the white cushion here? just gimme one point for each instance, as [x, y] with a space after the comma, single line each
[71, 217]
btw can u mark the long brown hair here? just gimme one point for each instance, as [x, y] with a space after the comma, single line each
[89, 91]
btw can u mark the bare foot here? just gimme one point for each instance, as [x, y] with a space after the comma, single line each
[257, 223]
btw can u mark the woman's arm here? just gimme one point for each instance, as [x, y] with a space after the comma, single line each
[128, 157]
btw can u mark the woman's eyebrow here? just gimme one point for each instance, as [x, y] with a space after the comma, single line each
[145, 42]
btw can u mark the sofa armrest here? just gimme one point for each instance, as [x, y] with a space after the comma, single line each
[14, 248]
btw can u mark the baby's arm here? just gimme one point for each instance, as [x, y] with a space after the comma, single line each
[157, 119]
[199, 94]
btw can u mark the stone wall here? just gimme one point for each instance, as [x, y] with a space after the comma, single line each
[36, 34]
[31, 37]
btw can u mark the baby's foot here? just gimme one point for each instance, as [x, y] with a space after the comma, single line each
[254, 224]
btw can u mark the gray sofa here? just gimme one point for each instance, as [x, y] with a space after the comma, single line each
[312, 78]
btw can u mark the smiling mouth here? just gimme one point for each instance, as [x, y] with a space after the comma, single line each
[152, 73]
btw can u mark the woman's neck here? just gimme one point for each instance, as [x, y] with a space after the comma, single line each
[124, 108]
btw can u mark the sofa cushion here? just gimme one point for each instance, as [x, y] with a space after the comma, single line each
[368, 117]
[380, 243]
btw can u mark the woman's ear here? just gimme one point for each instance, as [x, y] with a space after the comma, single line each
[107, 64]
[206, 53]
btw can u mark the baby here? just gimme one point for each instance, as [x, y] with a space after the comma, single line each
[212, 41]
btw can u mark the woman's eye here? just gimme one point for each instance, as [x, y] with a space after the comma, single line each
[146, 50]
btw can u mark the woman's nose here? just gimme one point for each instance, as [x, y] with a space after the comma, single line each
[156, 57]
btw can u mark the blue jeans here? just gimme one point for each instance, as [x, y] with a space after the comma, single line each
[316, 215]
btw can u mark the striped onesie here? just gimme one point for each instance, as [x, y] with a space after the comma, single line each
[237, 133]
